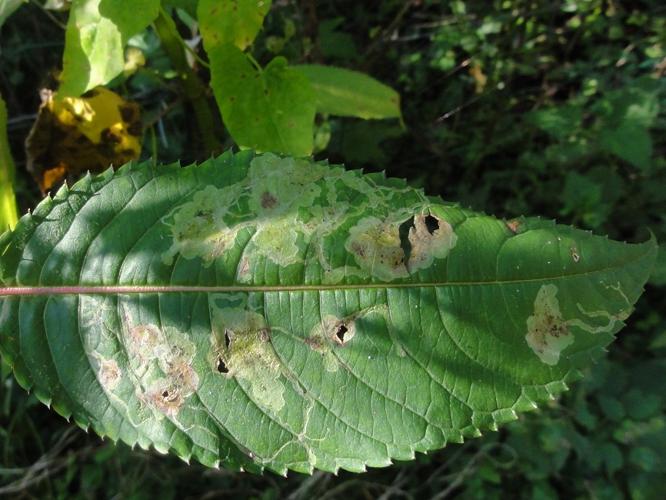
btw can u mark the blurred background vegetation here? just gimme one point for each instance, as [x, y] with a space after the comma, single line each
[511, 107]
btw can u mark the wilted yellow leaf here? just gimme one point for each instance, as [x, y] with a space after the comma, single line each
[77, 134]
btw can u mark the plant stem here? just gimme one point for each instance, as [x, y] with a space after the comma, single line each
[8, 211]
[194, 89]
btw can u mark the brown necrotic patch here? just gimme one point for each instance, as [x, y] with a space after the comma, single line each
[161, 360]
[268, 201]
[547, 331]
[109, 373]
[389, 250]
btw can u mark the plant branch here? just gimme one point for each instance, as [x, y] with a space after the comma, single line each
[194, 89]
[8, 211]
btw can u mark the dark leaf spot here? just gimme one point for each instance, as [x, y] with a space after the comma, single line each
[340, 333]
[268, 200]
[221, 366]
[432, 223]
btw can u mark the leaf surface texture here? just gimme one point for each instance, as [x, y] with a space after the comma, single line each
[267, 312]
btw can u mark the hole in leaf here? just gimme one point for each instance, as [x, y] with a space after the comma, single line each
[403, 233]
[165, 394]
[227, 339]
[432, 223]
[340, 333]
[221, 366]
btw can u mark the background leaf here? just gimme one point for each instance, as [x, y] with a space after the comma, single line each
[280, 313]
[270, 109]
[97, 32]
[231, 21]
[345, 92]
[8, 212]
[7, 8]
[629, 141]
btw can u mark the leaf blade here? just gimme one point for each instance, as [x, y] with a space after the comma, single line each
[235, 22]
[268, 110]
[448, 327]
[344, 92]
[96, 34]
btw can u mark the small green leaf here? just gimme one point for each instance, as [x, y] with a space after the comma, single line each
[612, 457]
[612, 408]
[344, 92]
[559, 122]
[629, 141]
[644, 457]
[97, 32]
[270, 109]
[231, 21]
[640, 405]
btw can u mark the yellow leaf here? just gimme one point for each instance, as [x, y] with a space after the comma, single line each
[76, 134]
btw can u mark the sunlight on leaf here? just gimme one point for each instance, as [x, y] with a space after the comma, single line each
[265, 312]
[345, 92]
[269, 109]
[97, 32]
[231, 21]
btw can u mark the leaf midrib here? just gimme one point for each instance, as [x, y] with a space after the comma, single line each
[128, 289]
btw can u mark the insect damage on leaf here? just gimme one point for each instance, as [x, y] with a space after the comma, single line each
[547, 332]
[295, 207]
[108, 372]
[237, 322]
[199, 227]
[241, 348]
[161, 364]
[334, 332]
[379, 249]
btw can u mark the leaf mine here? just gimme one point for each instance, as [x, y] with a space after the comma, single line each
[547, 332]
[241, 348]
[264, 312]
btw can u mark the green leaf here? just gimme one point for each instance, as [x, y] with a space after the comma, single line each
[97, 32]
[8, 212]
[344, 92]
[270, 109]
[8, 7]
[189, 6]
[259, 311]
[559, 122]
[234, 22]
[629, 141]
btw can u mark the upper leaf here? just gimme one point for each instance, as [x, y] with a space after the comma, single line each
[97, 31]
[344, 92]
[269, 109]
[265, 311]
[7, 8]
[231, 21]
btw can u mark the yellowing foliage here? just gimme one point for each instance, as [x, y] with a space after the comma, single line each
[76, 134]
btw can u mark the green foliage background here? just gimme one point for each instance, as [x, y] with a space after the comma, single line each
[510, 107]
